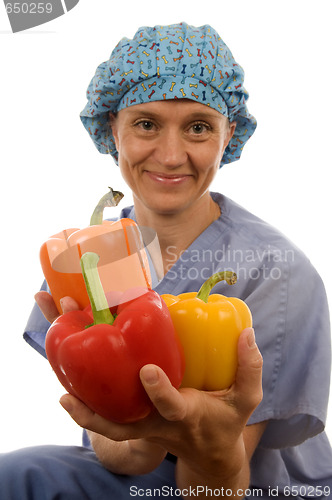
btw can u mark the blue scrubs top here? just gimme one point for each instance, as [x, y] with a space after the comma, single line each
[291, 320]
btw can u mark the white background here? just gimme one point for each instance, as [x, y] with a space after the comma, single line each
[52, 175]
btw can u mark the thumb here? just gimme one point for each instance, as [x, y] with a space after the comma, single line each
[248, 381]
[168, 401]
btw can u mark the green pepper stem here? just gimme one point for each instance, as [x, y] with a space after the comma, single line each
[98, 301]
[110, 199]
[206, 288]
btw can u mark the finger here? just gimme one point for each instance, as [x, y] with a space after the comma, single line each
[68, 304]
[167, 400]
[88, 419]
[47, 305]
[248, 383]
[82, 415]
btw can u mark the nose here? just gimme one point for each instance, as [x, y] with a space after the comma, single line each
[170, 150]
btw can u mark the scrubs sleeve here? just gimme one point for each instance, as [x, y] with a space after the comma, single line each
[291, 321]
[36, 328]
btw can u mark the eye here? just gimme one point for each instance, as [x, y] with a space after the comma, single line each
[145, 125]
[199, 128]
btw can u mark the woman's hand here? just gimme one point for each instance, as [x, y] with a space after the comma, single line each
[205, 430]
[48, 308]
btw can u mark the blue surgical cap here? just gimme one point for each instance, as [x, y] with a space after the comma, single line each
[169, 62]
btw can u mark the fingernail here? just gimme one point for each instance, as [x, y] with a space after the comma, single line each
[150, 375]
[61, 304]
[251, 338]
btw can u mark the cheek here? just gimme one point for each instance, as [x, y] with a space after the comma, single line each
[208, 159]
[131, 159]
[132, 151]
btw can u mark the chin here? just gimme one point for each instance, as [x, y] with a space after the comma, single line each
[168, 205]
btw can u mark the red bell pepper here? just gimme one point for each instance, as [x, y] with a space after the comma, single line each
[100, 363]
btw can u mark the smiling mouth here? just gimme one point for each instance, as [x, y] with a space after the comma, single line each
[167, 178]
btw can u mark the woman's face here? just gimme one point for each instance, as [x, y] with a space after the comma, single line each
[169, 151]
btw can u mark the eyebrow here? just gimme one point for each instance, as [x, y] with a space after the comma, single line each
[194, 115]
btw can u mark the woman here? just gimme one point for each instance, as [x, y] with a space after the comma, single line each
[170, 107]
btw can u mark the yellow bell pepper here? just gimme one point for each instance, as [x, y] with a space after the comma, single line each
[209, 327]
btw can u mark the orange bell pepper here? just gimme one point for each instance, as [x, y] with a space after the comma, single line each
[209, 327]
[123, 262]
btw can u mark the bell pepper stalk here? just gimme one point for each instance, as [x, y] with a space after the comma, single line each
[123, 260]
[110, 199]
[97, 355]
[209, 326]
